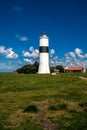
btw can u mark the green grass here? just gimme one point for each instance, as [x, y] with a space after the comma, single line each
[38, 102]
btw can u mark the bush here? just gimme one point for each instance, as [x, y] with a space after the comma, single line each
[31, 108]
[62, 106]
[54, 108]
[58, 107]
[83, 105]
[60, 68]
[29, 69]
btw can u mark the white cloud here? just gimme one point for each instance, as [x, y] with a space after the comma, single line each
[85, 55]
[2, 50]
[29, 61]
[72, 58]
[72, 54]
[23, 39]
[31, 48]
[54, 61]
[80, 56]
[76, 58]
[52, 52]
[78, 51]
[26, 54]
[9, 53]
[33, 53]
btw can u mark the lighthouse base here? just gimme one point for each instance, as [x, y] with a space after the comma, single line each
[44, 69]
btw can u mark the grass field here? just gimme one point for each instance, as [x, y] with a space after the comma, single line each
[43, 102]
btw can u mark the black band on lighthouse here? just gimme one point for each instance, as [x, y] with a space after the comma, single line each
[43, 49]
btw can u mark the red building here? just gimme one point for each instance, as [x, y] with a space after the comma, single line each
[75, 69]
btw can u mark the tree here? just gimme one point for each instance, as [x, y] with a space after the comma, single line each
[52, 69]
[29, 69]
[60, 68]
[36, 64]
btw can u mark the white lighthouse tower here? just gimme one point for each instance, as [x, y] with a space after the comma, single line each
[44, 55]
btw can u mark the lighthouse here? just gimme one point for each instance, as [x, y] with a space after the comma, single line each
[44, 55]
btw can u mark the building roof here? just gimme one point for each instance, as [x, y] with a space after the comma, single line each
[74, 68]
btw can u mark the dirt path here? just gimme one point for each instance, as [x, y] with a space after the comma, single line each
[82, 78]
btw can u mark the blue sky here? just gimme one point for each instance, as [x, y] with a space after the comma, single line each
[23, 21]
